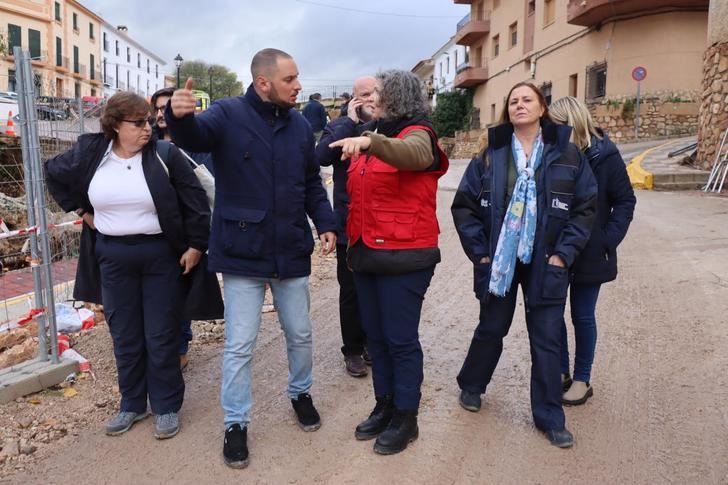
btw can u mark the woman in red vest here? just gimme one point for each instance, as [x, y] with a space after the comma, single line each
[393, 231]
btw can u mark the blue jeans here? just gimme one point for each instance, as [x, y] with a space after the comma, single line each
[583, 306]
[243, 303]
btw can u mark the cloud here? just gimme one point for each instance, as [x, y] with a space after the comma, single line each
[331, 46]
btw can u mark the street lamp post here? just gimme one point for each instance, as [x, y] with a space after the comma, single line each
[209, 71]
[178, 62]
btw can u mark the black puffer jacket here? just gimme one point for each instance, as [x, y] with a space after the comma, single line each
[597, 263]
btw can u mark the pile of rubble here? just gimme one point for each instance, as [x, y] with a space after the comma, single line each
[18, 345]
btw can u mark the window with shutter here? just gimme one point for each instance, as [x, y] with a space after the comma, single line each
[76, 68]
[14, 35]
[59, 52]
[34, 43]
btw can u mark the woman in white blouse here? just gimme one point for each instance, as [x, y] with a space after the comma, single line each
[146, 224]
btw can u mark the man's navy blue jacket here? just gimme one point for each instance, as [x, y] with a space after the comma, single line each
[597, 263]
[340, 128]
[567, 199]
[266, 182]
[315, 113]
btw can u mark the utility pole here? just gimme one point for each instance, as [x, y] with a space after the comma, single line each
[209, 71]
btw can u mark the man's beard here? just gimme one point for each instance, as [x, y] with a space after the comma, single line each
[276, 99]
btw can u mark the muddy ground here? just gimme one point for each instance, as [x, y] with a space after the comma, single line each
[659, 412]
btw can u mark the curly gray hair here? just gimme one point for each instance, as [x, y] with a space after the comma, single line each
[401, 94]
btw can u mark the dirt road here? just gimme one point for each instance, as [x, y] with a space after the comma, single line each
[659, 413]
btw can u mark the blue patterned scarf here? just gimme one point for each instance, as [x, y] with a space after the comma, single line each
[519, 225]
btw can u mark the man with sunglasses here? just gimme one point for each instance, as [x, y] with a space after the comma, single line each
[159, 102]
[268, 182]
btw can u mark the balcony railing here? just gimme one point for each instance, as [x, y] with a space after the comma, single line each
[79, 70]
[462, 66]
[471, 31]
[110, 81]
[469, 75]
[63, 63]
[463, 22]
[41, 57]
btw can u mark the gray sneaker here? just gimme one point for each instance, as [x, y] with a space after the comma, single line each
[121, 423]
[166, 426]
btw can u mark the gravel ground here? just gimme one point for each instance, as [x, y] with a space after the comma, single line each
[658, 414]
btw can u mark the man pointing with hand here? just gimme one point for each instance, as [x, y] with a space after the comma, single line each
[267, 181]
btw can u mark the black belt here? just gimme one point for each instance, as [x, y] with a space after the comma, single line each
[133, 238]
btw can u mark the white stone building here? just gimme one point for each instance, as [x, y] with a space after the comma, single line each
[445, 62]
[128, 66]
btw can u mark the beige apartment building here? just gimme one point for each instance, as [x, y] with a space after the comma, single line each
[588, 49]
[63, 38]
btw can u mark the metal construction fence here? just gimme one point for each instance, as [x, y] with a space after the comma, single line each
[39, 243]
[326, 92]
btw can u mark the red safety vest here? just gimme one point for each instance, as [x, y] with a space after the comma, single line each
[392, 208]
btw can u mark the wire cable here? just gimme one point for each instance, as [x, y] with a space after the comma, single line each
[372, 12]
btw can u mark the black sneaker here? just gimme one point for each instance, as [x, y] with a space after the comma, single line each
[560, 438]
[235, 448]
[308, 417]
[470, 401]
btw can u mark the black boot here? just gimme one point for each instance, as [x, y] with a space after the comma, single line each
[378, 420]
[402, 430]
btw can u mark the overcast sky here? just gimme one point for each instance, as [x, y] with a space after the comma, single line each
[332, 46]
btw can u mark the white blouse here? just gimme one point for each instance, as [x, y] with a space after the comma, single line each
[121, 199]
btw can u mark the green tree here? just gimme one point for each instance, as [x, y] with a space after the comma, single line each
[453, 112]
[224, 82]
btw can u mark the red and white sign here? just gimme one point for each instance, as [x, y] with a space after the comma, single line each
[639, 73]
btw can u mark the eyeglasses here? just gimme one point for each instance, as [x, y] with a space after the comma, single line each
[142, 122]
[160, 108]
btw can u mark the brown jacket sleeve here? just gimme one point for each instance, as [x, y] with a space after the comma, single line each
[413, 152]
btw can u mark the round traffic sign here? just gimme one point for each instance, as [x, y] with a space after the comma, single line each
[639, 73]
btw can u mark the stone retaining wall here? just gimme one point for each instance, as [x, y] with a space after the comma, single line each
[714, 103]
[662, 115]
[466, 144]
[666, 114]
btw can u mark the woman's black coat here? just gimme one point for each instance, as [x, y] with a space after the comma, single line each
[597, 263]
[182, 208]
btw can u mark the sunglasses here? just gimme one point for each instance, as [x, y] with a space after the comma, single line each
[142, 122]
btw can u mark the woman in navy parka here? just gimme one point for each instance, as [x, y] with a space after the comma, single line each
[523, 211]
